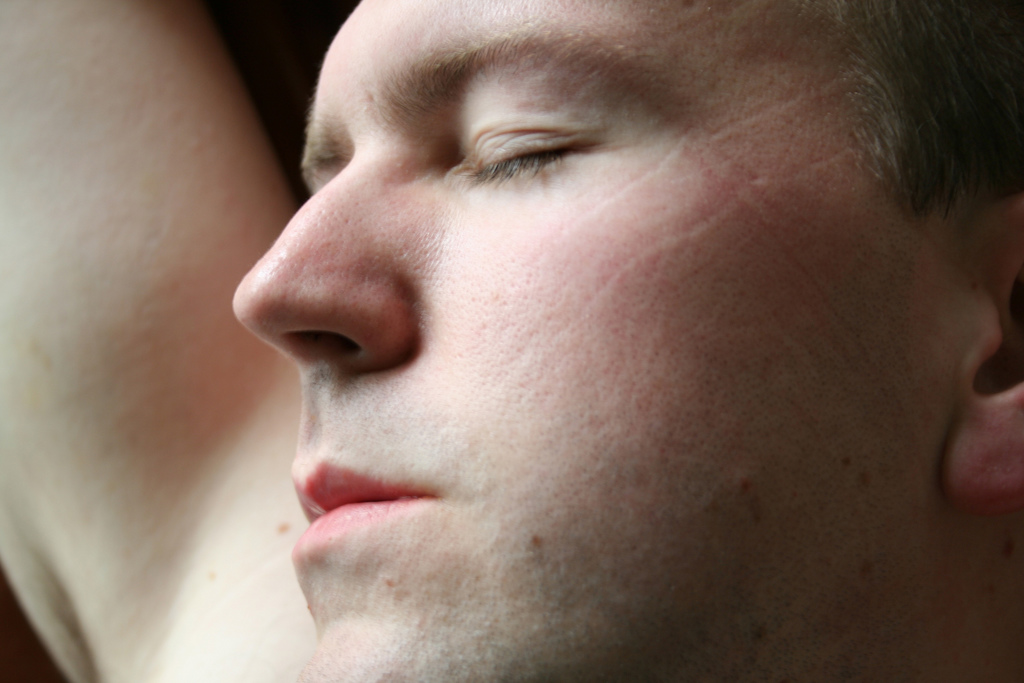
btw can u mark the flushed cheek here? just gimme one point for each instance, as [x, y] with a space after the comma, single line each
[586, 354]
[551, 276]
[663, 275]
[681, 317]
[664, 402]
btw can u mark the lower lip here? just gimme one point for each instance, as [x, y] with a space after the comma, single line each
[329, 529]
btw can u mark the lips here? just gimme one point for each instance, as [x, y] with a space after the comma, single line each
[330, 488]
[340, 503]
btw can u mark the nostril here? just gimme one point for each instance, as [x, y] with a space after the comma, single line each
[356, 338]
[329, 341]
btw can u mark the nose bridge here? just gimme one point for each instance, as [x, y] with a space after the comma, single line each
[340, 235]
[342, 282]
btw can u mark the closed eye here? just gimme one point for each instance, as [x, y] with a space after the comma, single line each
[526, 165]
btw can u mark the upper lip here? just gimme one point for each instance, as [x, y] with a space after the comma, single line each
[330, 487]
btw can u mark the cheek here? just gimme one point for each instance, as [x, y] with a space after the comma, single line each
[690, 382]
[687, 284]
[682, 330]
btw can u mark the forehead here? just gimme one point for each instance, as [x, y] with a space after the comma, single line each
[419, 24]
[387, 45]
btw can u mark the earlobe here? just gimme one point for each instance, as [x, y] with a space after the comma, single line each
[983, 469]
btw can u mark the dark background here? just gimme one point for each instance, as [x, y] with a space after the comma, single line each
[278, 47]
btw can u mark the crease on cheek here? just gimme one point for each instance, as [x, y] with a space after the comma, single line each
[626, 267]
[631, 280]
[829, 266]
[624, 191]
[673, 231]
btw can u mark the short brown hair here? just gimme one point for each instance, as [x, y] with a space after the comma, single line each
[938, 87]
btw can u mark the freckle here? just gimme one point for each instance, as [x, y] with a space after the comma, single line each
[866, 569]
[213, 576]
[760, 632]
[846, 462]
[865, 478]
[308, 608]
[1008, 548]
[390, 583]
[745, 485]
[284, 528]
[991, 589]
[536, 541]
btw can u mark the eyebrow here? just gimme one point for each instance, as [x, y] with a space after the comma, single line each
[434, 81]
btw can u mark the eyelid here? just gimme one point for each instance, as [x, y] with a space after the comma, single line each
[495, 148]
[318, 171]
[512, 143]
[526, 165]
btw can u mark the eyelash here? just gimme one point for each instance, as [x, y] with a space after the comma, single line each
[526, 165]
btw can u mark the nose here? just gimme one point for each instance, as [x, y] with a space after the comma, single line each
[339, 286]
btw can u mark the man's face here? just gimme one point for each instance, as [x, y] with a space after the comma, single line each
[604, 287]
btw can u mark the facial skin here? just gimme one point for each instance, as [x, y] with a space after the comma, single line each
[675, 395]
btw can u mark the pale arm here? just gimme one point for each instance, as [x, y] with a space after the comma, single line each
[145, 437]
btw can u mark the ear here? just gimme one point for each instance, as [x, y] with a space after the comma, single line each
[983, 466]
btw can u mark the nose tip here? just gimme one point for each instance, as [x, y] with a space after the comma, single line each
[330, 306]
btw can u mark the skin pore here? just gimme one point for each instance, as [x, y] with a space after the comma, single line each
[668, 370]
[146, 516]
